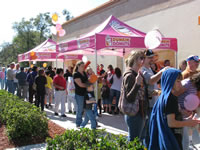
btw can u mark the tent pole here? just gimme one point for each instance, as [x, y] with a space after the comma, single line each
[96, 91]
[64, 64]
[176, 53]
[123, 65]
[56, 61]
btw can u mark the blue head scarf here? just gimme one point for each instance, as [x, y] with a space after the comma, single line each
[161, 136]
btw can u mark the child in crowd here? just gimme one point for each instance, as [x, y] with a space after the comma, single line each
[48, 88]
[105, 92]
[89, 101]
[71, 95]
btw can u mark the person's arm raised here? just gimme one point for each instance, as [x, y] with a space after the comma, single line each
[155, 78]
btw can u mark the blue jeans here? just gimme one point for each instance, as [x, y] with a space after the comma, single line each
[95, 110]
[79, 109]
[10, 84]
[112, 94]
[89, 115]
[135, 126]
[2, 83]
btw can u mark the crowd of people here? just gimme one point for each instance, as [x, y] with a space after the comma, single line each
[151, 98]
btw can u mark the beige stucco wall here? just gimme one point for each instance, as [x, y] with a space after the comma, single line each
[180, 22]
[174, 18]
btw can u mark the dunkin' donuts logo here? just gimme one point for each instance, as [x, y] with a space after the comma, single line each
[83, 43]
[165, 44]
[117, 41]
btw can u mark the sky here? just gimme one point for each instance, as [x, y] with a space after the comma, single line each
[14, 10]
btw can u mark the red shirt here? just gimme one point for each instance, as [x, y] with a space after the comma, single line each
[59, 80]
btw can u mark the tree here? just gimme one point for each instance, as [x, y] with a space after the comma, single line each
[67, 15]
[42, 24]
[29, 34]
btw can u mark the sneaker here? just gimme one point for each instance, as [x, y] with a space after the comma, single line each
[63, 115]
[46, 106]
[191, 145]
[50, 106]
[78, 126]
[56, 114]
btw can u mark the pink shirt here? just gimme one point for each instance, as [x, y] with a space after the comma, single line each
[2, 75]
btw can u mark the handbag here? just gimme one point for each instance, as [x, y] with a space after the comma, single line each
[128, 108]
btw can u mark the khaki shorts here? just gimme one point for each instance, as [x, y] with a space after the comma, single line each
[49, 92]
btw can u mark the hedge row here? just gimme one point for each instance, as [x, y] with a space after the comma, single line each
[22, 119]
[86, 139]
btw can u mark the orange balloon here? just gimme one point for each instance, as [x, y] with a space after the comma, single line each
[93, 78]
[33, 57]
[55, 17]
[32, 53]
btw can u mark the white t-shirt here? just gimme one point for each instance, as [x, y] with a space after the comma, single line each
[147, 73]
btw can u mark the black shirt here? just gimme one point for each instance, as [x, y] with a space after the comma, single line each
[172, 107]
[67, 74]
[105, 92]
[79, 90]
[52, 74]
[102, 72]
[88, 96]
[40, 81]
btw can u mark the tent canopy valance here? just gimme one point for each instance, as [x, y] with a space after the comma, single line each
[46, 51]
[112, 37]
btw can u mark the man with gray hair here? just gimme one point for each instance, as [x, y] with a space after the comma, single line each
[10, 78]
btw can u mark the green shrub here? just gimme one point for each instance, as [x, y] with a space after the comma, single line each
[86, 139]
[23, 120]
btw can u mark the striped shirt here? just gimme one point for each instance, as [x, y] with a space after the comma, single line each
[190, 89]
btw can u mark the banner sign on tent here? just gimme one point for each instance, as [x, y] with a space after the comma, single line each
[117, 41]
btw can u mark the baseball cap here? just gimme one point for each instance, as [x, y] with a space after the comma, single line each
[195, 58]
[149, 53]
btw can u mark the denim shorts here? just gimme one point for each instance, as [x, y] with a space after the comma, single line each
[106, 101]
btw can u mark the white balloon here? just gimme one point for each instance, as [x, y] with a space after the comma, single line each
[53, 30]
[84, 59]
[153, 39]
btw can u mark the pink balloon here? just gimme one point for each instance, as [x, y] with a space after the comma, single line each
[62, 32]
[191, 102]
[58, 27]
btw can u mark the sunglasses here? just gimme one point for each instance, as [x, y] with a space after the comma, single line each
[142, 58]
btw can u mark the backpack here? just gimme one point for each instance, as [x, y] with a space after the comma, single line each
[128, 108]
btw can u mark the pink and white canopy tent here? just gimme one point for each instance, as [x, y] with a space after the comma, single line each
[47, 51]
[112, 37]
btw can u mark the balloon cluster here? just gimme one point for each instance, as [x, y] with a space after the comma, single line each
[58, 27]
[33, 56]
